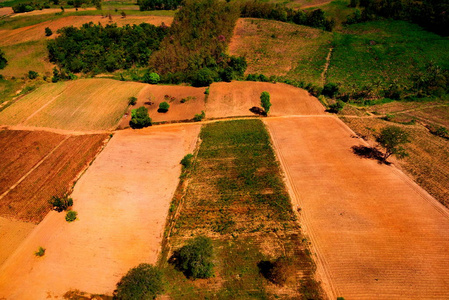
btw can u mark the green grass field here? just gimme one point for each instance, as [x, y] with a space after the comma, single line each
[383, 52]
[85, 104]
[236, 195]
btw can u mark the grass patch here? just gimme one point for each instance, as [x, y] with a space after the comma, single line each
[234, 193]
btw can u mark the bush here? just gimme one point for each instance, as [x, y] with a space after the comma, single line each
[278, 271]
[195, 258]
[152, 78]
[132, 101]
[40, 252]
[141, 282]
[442, 132]
[186, 162]
[330, 90]
[163, 107]
[3, 61]
[265, 101]
[71, 216]
[199, 117]
[140, 118]
[336, 107]
[48, 31]
[32, 74]
[61, 203]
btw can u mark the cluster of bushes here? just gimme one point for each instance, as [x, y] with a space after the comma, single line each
[29, 6]
[158, 4]
[267, 10]
[194, 50]
[430, 14]
[94, 48]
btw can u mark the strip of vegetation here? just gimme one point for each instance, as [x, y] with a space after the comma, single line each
[95, 49]
[158, 4]
[233, 193]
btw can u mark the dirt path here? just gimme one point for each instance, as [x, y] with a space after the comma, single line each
[122, 203]
[326, 66]
[376, 234]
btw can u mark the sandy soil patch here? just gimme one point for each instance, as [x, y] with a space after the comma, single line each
[377, 234]
[122, 203]
[152, 95]
[12, 233]
[236, 98]
[37, 31]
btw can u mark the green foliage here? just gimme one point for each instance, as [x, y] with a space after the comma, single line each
[3, 61]
[186, 162]
[140, 118]
[140, 283]
[25, 7]
[132, 101]
[40, 252]
[442, 132]
[71, 216]
[330, 90]
[61, 203]
[152, 78]
[199, 117]
[206, 91]
[32, 74]
[203, 77]
[392, 138]
[94, 48]
[195, 258]
[336, 107]
[158, 4]
[341, 298]
[163, 107]
[48, 31]
[265, 101]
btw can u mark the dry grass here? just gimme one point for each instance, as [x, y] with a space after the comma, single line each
[282, 49]
[87, 104]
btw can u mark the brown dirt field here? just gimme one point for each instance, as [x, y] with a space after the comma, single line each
[27, 197]
[122, 203]
[12, 233]
[236, 98]
[37, 31]
[377, 234]
[155, 94]
[6, 11]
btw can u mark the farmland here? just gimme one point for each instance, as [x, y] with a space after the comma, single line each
[88, 104]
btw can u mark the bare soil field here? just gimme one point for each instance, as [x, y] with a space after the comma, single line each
[122, 203]
[85, 104]
[38, 165]
[377, 235]
[151, 95]
[281, 49]
[12, 233]
[37, 31]
[236, 98]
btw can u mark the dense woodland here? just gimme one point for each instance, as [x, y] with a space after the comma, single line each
[158, 4]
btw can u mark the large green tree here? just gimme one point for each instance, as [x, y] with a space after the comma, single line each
[392, 138]
[141, 282]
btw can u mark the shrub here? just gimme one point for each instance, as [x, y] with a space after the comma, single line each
[140, 118]
[132, 101]
[163, 107]
[71, 216]
[199, 117]
[3, 61]
[186, 162]
[152, 78]
[206, 91]
[61, 203]
[330, 90]
[40, 252]
[392, 138]
[48, 31]
[141, 282]
[32, 74]
[278, 271]
[265, 101]
[442, 131]
[336, 107]
[195, 258]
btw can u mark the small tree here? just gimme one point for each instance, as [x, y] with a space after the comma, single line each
[40, 252]
[132, 101]
[71, 216]
[32, 74]
[141, 282]
[265, 101]
[195, 258]
[163, 107]
[48, 31]
[61, 203]
[186, 162]
[3, 61]
[140, 118]
[152, 78]
[392, 138]
[199, 117]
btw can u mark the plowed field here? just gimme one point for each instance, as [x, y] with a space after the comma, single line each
[122, 203]
[377, 234]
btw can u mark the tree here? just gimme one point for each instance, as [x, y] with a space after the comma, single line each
[3, 61]
[152, 78]
[141, 282]
[336, 107]
[265, 101]
[132, 101]
[140, 118]
[61, 203]
[195, 258]
[32, 74]
[163, 107]
[203, 77]
[48, 31]
[392, 138]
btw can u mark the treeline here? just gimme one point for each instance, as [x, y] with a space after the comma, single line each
[95, 49]
[431, 14]
[39, 5]
[194, 50]
[29, 6]
[158, 4]
[266, 10]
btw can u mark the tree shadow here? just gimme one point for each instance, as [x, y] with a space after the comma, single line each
[265, 268]
[369, 152]
[257, 111]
